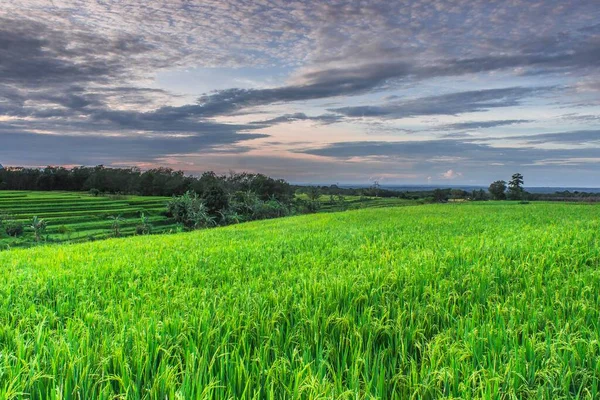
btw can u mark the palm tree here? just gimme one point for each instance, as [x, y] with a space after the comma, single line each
[39, 227]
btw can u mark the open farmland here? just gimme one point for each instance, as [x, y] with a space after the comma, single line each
[331, 204]
[480, 300]
[73, 216]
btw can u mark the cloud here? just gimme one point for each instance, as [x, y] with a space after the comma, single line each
[573, 137]
[483, 124]
[451, 174]
[33, 54]
[27, 148]
[447, 104]
[87, 71]
[324, 119]
[464, 153]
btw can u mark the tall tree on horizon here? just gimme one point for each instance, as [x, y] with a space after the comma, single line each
[515, 187]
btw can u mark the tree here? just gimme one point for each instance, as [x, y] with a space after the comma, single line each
[497, 189]
[515, 187]
[457, 194]
[211, 189]
[375, 188]
[313, 193]
[38, 226]
[479, 195]
[440, 196]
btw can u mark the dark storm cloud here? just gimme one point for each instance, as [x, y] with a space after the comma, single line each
[447, 104]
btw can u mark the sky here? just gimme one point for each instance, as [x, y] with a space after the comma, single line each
[399, 92]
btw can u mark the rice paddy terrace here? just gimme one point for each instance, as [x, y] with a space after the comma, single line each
[487, 300]
[75, 216]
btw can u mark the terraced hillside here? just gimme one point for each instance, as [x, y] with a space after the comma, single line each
[80, 216]
[455, 301]
[76, 216]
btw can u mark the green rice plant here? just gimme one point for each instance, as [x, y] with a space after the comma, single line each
[472, 300]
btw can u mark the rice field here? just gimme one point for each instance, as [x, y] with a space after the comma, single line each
[480, 300]
[360, 202]
[77, 217]
[74, 217]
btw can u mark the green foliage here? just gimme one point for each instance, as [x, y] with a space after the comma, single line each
[10, 226]
[14, 229]
[115, 227]
[477, 300]
[515, 187]
[38, 225]
[498, 190]
[479, 195]
[211, 188]
[94, 192]
[144, 227]
[189, 209]
[313, 193]
[63, 229]
[441, 195]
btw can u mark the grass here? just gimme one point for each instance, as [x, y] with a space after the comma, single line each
[75, 217]
[489, 300]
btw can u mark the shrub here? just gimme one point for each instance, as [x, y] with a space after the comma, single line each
[63, 229]
[13, 228]
[306, 206]
[230, 216]
[141, 229]
[190, 210]
[94, 192]
[116, 225]
[144, 227]
[270, 209]
[117, 196]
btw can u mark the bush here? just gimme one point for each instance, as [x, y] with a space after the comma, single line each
[13, 228]
[117, 196]
[94, 192]
[270, 209]
[190, 210]
[63, 229]
[144, 227]
[307, 206]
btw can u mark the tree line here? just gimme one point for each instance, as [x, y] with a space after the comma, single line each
[153, 182]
